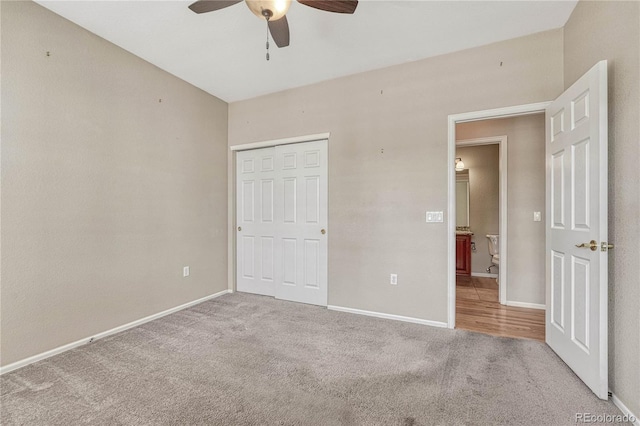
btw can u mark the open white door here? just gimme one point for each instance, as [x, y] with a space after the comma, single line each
[576, 248]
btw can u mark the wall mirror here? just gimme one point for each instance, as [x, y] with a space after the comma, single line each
[462, 198]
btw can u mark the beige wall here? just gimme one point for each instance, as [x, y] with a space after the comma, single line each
[377, 201]
[106, 191]
[525, 194]
[482, 163]
[611, 30]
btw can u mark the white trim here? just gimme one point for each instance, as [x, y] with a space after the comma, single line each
[451, 221]
[284, 141]
[625, 410]
[603, 206]
[526, 305]
[483, 275]
[451, 213]
[388, 316]
[512, 111]
[503, 175]
[69, 346]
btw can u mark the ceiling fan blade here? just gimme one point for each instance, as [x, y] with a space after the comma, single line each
[336, 6]
[203, 6]
[280, 31]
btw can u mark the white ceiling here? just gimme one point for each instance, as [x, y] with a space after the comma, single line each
[223, 52]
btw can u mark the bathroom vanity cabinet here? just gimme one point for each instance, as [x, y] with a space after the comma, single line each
[463, 255]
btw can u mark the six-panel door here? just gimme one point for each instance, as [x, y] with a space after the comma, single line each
[255, 189]
[576, 150]
[282, 222]
[301, 222]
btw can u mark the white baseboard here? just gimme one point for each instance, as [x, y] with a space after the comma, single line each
[526, 305]
[64, 348]
[388, 316]
[625, 410]
[483, 275]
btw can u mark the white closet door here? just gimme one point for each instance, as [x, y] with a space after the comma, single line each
[301, 222]
[255, 188]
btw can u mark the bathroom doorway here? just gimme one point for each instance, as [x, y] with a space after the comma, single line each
[481, 203]
[501, 291]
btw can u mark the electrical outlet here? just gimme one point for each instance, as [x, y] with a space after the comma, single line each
[393, 279]
[185, 271]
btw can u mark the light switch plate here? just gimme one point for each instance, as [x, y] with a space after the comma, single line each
[537, 217]
[185, 271]
[435, 217]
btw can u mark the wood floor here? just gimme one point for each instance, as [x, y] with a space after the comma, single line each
[478, 309]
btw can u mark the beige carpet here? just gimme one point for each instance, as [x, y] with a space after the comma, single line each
[249, 360]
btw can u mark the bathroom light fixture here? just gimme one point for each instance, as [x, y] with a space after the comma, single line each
[459, 165]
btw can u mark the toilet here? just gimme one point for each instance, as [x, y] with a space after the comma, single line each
[494, 250]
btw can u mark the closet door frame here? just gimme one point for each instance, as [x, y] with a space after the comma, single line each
[232, 199]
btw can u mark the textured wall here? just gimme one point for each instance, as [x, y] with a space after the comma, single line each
[525, 194]
[611, 30]
[483, 165]
[106, 191]
[388, 160]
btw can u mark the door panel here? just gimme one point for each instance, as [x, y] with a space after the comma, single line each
[557, 190]
[248, 257]
[267, 262]
[289, 196]
[311, 263]
[557, 291]
[255, 221]
[289, 261]
[576, 151]
[301, 218]
[580, 180]
[247, 198]
[580, 302]
[266, 203]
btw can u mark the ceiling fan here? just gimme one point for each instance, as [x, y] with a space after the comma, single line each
[274, 11]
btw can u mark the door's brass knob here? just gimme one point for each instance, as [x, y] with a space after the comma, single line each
[322, 231]
[239, 228]
[604, 246]
[593, 245]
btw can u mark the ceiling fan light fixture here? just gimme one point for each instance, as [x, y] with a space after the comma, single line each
[271, 9]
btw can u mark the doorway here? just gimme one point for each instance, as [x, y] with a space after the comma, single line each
[513, 305]
[481, 174]
[483, 298]
[481, 232]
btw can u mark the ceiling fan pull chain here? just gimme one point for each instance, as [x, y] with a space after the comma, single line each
[267, 38]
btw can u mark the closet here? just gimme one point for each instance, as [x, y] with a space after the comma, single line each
[281, 222]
